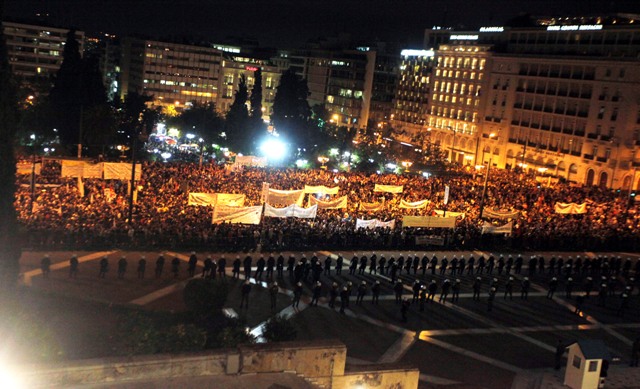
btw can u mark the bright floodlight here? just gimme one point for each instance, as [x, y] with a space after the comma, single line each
[273, 149]
[190, 136]
[9, 379]
[165, 155]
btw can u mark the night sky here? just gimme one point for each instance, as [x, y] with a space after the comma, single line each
[284, 23]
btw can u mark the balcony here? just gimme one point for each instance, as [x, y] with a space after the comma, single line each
[601, 159]
[576, 153]
[588, 156]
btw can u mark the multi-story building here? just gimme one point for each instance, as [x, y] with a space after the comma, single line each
[35, 52]
[340, 80]
[458, 83]
[174, 74]
[235, 66]
[413, 92]
[555, 99]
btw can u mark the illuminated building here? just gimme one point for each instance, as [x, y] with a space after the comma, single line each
[236, 65]
[412, 96]
[176, 75]
[557, 99]
[35, 52]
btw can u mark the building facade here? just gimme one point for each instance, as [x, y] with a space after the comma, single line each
[234, 67]
[413, 92]
[175, 75]
[35, 52]
[557, 99]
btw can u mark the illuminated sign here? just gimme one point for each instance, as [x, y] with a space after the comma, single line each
[417, 53]
[491, 29]
[584, 27]
[251, 68]
[463, 37]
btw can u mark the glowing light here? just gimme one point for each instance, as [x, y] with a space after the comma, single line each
[190, 136]
[491, 29]
[417, 53]
[463, 37]
[165, 155]
[273, 149]
[333, 152]
[301, 163]
[391, 165]
[9, 379]
[584, 27]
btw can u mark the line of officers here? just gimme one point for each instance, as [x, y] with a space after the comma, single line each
[311, 270]
[393, 268]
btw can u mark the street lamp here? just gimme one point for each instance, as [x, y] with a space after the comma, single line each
[323, 160]
[484, 187]
[406, 165]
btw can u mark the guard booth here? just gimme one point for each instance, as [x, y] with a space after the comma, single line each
[585, 363]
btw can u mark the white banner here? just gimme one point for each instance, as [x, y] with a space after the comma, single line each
[440, 212]
[73, 168]
[120, 171]
[321, 189]
[414, 205]
[488, 228]
[495, 213]
[288, 197]
[375, 223]
[428, 221]
[388, 188]
[339, 203]
[214, 199]
[571, 208]
[230, 199]
[291, 211]
[250, 160]
[446, 195]
[94, 170]
[371, 207]
[27, 168]
[202, 199]
[432, 240]
[235, 215]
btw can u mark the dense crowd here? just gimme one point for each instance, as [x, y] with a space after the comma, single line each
[61, 216]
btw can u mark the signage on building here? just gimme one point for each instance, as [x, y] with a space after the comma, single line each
[584, 27]
[251, 68]
[417, 53]
[463, 37]
[491, 29]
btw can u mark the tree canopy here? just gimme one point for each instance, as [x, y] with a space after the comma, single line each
[291, 111]
[9, 245]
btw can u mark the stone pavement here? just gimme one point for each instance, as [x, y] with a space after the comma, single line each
[491, 349]
[619, 377]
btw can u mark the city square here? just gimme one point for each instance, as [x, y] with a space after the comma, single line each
[452, 343]
[298, 194]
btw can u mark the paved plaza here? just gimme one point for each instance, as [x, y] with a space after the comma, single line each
[458, 344]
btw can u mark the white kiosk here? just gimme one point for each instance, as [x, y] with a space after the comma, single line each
[584, 364]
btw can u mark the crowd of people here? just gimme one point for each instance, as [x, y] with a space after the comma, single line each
[61, 214]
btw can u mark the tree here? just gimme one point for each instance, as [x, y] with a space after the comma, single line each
[279, 329]
[291, 111]
[66, 96]
[257, 126]
[203, 119]
[134, 118]
[9, 243]
[205, 298]
[255, 100]
[237, 121]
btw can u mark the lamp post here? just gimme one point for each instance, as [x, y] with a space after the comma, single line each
[323, 160]
[453, 144]
[484, 187]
